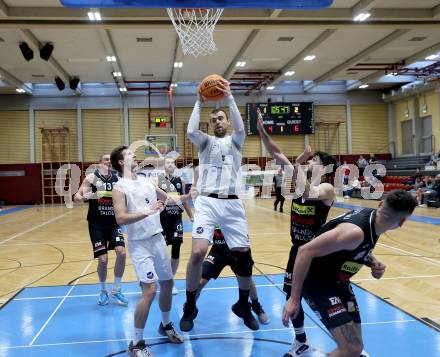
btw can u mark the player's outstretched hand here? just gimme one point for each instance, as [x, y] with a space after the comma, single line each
[200, 97]
[155, 208]
[260, 123]
[377, 269]
[305, 155]
[291, 309]
[224, 87]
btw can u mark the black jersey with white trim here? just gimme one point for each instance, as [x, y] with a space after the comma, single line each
[342, 265]
[174, 187]
[101, 209]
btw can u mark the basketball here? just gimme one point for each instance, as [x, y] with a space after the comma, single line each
[208, 87]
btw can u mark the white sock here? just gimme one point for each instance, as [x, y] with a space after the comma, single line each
[117, 284]
[299, 331]
[138, 335]
[165, 317]
[103, 285]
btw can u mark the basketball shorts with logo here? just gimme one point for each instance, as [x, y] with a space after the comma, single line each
[104, 238]
[289, 269]
[172, 230]
[150, 259]
[334, 303]
[228, 213]
[214, 263]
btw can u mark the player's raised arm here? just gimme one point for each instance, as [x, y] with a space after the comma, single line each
[269, 144]
[238, 135]
[196, 136]
[85, 190]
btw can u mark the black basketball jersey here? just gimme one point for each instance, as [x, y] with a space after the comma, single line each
[342, 265]
[101, 209]
[306, 218]
[219, 245]
[173, 186]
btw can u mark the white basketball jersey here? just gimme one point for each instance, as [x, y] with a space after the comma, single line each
[219, 167]
[140, 195]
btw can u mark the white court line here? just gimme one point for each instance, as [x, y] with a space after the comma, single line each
[417, 256]
[59, 305]
[133, 293]
[284, 329]
[224, 287]
[50, 242]
[34, 228]
[399, 278]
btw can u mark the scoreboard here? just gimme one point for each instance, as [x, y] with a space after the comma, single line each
[281, 118]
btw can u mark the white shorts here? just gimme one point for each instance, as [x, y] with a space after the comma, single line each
[150, 259]
[228, 213]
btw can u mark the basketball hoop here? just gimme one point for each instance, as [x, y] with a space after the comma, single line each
[195, 28]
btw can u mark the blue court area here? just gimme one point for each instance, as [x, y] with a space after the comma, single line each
[66, 320]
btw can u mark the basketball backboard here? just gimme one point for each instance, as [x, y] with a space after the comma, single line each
[265, 4]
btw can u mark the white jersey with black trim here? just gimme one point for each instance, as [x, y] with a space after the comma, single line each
[220, 167]
[219, 158]
[140, 194]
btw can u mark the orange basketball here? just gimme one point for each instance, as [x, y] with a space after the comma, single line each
[208, 87]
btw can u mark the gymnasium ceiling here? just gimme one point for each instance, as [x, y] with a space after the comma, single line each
[398, 30]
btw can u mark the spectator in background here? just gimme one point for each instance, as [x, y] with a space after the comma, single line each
[423, 187]
[433, 193]
[372, 159]
[362, 164]
[278, 184]
[417, 178]
[346, 171]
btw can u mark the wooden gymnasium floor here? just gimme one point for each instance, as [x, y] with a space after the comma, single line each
[48, 246]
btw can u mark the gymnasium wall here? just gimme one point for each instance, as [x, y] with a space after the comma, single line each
[103, 129]
[411, 109]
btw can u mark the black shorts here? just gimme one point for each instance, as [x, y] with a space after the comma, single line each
[214, 264]
[172, 231]
[335, 304]
[289, 269]
[105, 238]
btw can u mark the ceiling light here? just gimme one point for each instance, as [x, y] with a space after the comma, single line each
[289, 73]
[363, 86]
[123, 89]
[309, 58]
[46, 51]
[73, 83]
[270, 88]
[362, 16]
[178, 64]
[432, 57]
[94, 16]
[392, 74]
[111, 59]
[240, 64]
[117, 74]
[173, 85]
[60, 83]
[19, 90]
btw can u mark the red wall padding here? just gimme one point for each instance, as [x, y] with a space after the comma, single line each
[21, 189]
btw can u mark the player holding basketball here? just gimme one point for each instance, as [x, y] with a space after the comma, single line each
[105, 233]
[136, 204]
[324, 266]
[308, 213]
[219, 178]
[217, 259]
[171, 216]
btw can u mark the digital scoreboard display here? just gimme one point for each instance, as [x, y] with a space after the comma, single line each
[281, 118]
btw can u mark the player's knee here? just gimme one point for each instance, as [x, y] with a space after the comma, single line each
[103, 259]
[120, 252]
[198, 254]
[148, 290]
[244, 262]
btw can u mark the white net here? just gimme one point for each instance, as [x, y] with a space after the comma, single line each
[195, 28]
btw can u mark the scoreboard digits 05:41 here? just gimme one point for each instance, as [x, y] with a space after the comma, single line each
[282, 118]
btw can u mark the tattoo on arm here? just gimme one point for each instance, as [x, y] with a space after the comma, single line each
[351, 334]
